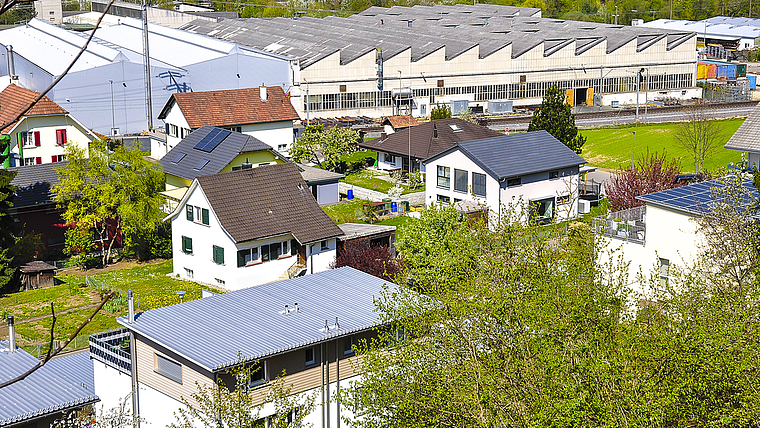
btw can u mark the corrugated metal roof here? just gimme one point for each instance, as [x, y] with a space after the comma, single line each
[212, 331]
[717, 26]
[52, 388]
[519, 154]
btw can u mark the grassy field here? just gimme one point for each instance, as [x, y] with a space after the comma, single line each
[346, 212]
[74, 301]
[369, 180]
[611, 147]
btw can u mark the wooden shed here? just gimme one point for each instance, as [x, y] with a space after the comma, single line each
[37, 274]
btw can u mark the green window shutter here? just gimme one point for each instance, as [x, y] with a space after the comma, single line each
[293, 247]
[189, 212]
[187, 244]
[204, 215]
[218, 254]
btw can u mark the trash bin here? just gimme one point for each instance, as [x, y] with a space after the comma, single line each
[394, 207]
[350, 194]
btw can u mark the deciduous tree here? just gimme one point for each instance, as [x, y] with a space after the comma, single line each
[440, 111]
[653, 172]
[555, 116]
[324, 148]
[699, 134]
[374, 260]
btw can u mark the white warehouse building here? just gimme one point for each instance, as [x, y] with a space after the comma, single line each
[466, 55]
[105, 89]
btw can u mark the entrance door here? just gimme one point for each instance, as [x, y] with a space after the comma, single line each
[301, 253]
[580, 96]
[314, 192]
[405, 163]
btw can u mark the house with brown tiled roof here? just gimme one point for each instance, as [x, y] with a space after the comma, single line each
[264, 113]
[415, 143]
[41, 134]
[393, 124]
[243, 228]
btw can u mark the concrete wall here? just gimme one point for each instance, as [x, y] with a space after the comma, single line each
[112, 386]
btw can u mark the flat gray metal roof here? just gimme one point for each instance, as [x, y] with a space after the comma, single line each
[360, 230]
[212, 331]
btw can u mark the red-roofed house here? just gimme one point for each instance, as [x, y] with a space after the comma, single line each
[41, 135]
[264, 113]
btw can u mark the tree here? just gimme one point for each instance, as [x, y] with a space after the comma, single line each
[440, 111]
[236, 406]
[698, 134]
[652, 173]
[114, 193]
[324, 148]
[8, 273]
[374, 260]
[555, 116]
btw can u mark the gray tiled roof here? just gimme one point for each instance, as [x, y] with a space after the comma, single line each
[747, 137]
[35, 183]
[519, 154]
[51, 389]
[212, 331]
[267, 201]
[219, 158]
[455, 29]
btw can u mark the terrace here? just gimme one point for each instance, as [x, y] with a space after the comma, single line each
[112, 349]
[627, 225]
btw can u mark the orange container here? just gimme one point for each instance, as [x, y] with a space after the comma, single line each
[712, 71]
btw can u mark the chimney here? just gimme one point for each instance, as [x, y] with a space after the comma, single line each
[435, 131]
[11, 66]
[263, 93]
[131, 303]
[11, 334]
[296, 305]
[383, 136]
[337, 326]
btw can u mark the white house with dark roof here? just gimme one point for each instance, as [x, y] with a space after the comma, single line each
[747, 139]
[243, 228]
[534, 169]
[54, 390]
[663, 232]
[305, 327]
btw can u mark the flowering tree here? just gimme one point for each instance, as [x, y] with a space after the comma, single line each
[651, 173]
[374, 260]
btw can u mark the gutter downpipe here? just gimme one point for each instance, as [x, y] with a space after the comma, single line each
[322, 367]
[337, 383]
[133, 356]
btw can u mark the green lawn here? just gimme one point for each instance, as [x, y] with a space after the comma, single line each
[611, 147]
[358, 155]
[349, 211]
[369, 180]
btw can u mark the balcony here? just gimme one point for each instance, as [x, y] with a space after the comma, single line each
[107, 347]
[627, 225]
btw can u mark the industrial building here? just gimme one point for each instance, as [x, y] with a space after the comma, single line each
[105, 89]
[722, 34]
[387, 61]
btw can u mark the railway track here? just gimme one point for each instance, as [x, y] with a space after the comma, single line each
[618, 113]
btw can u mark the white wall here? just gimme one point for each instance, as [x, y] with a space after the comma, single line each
[670, 235]
[112, 386]
[753, 160]
[275, 134]
[47, 126]
[534, 186]
[629, 98]
[319, 259]
[327, 193]
[157, 408]
[174, 117]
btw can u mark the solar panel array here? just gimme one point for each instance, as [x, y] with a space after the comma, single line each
[212, 139]
[696, 198]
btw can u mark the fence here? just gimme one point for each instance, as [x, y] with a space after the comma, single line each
[628, 225]
[112, 348]
[79, 342]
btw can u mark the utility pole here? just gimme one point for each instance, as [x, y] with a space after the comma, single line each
[146, 60]
[633, 149]
[638, 86]
[113, 114]
[616, 14]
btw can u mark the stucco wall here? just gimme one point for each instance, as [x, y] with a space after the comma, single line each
[47, 126]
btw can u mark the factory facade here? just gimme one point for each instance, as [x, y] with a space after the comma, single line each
[403, 60]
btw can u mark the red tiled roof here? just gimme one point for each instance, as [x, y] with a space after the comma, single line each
[232, 107]
[401, 121]
[14, 99]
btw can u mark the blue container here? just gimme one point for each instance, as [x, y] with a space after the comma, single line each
[350, 194]
[752, 81]
[725, 70]
[394, 207]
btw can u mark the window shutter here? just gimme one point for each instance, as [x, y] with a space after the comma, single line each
[189, 212]
[204, 215]
[38, 160]
[293, 247]
[218, 254]
[241, 257]
[167, 129]
[37, 141]
[187, 244]
[60, 136]
[54, 159]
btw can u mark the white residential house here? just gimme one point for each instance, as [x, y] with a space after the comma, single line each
[243, 228]
[42, 133]
[532, 168]
[660, 234]
[264, 113]
[747, 139]
[303, 329]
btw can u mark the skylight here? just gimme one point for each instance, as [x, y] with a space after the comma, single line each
[201, 163]
[454, 127]
[178, 157]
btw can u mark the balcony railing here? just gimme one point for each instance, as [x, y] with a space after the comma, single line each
[108, 348]
[628, 225]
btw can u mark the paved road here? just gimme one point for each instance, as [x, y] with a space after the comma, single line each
[649, 118]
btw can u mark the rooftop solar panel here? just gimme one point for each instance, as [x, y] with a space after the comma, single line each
[211, 140]
[697, 197]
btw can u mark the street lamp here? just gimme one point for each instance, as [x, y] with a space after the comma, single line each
[633, 149]
[113, 114]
